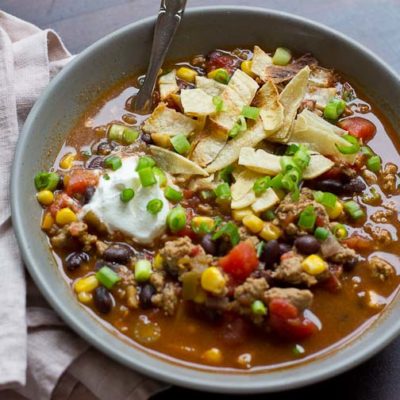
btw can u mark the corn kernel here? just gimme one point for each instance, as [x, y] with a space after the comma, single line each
[253, 223]
[212, 356]
[187, 74]
[48, 222]
[239, 214]
[270, 231]
[202, 224]
[314, 265]
[45, 197]
[85, 297]
[87, 284]
[67, 161]
[246, 67]
[158, 261]
[161, 139]
[335, 211]
[65, 216]
[212, 280]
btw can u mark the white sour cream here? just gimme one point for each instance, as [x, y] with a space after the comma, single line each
[131, 218]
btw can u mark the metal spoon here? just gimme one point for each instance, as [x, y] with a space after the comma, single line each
[169, 18]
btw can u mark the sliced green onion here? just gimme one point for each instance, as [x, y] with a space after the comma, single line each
[122, 133]
[154, 206]
[276, 181]
[250, 112]
[291, 179]
[221, 75]
[268, 215]
[307, 219]
[107, 277]
[261, 185]
[176, 219]
[242, 123]
[287, 164]
[173, 195]
[302, 157]
[340, 231]
[259, 248]
[229, 229]
[145, 162]
[160, 176]
[223, 191]
[207, 194]
[374, 164]
[234, 131]
[353, 209]
[282, 56]
[218, 103]
[180, 144]
[127, 195]
[147, 177]
[258, 308]
[321, 233]
[106, 177]
[366, 151]
[46, 181]
[291, 149]
[327, 199]
[354, 145]
[334, 109]
[226, 174]
[113, 162]
[142, 270]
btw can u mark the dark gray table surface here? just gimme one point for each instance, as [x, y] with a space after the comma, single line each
[374, 23]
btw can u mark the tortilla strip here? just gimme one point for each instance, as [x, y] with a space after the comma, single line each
[267, 200]
[168, 121]
[322, 77]
[174, 163]
[243, 184]
[197, 102]
[247, 200]
[260, 61]
[270, 164]
[321, 96]
[210, 86]
[271, 110]
[167, 84]
[230, 153]
[320, 135]
[291, 97]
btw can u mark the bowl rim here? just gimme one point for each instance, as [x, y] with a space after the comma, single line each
[203, 380]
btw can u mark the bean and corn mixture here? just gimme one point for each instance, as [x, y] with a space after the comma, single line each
[250, 220]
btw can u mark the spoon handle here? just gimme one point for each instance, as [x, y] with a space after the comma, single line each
[169, 18]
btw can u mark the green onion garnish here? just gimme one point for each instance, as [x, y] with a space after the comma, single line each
[223, 191]
[340, 231]
[307, 219]
[321, 233]
[218, 103]
[173, 195]
[334, 109]
[226, 174]
[46, 181]
[207, 194]
[250, 112]
[113, 162]
[302, 157]
[154, 206]
[107, 277]
[374, 164]
[180, 144]
[366, 151]
[354, 145]
[122, 133]
[142, 270]
[229, 229]
[291, 149]
[327, 199]
[259, 248]
[261, 185]
[160, 176]
[176, 219]
[258, 308]
[147, 177]
[106, 177]
[234, 131]
[221, 75]
[276, 181]
[127, 195]
[268, 215]
[282, 56]
[145, 162]
[353, 209]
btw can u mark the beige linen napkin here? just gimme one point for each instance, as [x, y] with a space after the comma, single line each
[40, 358]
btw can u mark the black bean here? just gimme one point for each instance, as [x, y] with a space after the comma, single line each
[146, 292]
[119, 253]
[103, 300]
[284, 248]
[270, 253]
[76, 259]
[307, 244]
[96, 163]
[146, 137]
[208, 245]
[89, 192]
[354, 186]
[101, 263]
[105, 148]
[223, 246]
[328, 185]
[350, 264]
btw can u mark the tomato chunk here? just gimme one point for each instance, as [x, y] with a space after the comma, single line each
[359, 243]
[241, 261]
[285, 320]
[359, 127]
[79, 180]
[218, 59]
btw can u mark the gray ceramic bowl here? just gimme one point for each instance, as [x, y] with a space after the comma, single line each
[121, 53]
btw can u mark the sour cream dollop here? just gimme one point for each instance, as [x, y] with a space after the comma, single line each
[131, 218]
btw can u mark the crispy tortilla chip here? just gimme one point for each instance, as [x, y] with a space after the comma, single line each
[230, 153]
[167, 84]
[321, 96]
[244, 85]
[247, 200]
[260, 61]
[271, 110]
[196, 102]
[270, 164]
[291, 97]
[322, 77]
[210, 86]
[174, 163]
[243, 184]
[320, 135]
[169, 122]
[267, 200]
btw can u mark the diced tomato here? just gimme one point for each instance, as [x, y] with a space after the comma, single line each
[319, 221]
[332, 284]
[285, 320]
[78, 180]
[241, 261]
[333, 173]
[62, 200]
[359, 127]
[187, 193]
[359, 243]
[218, 59]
